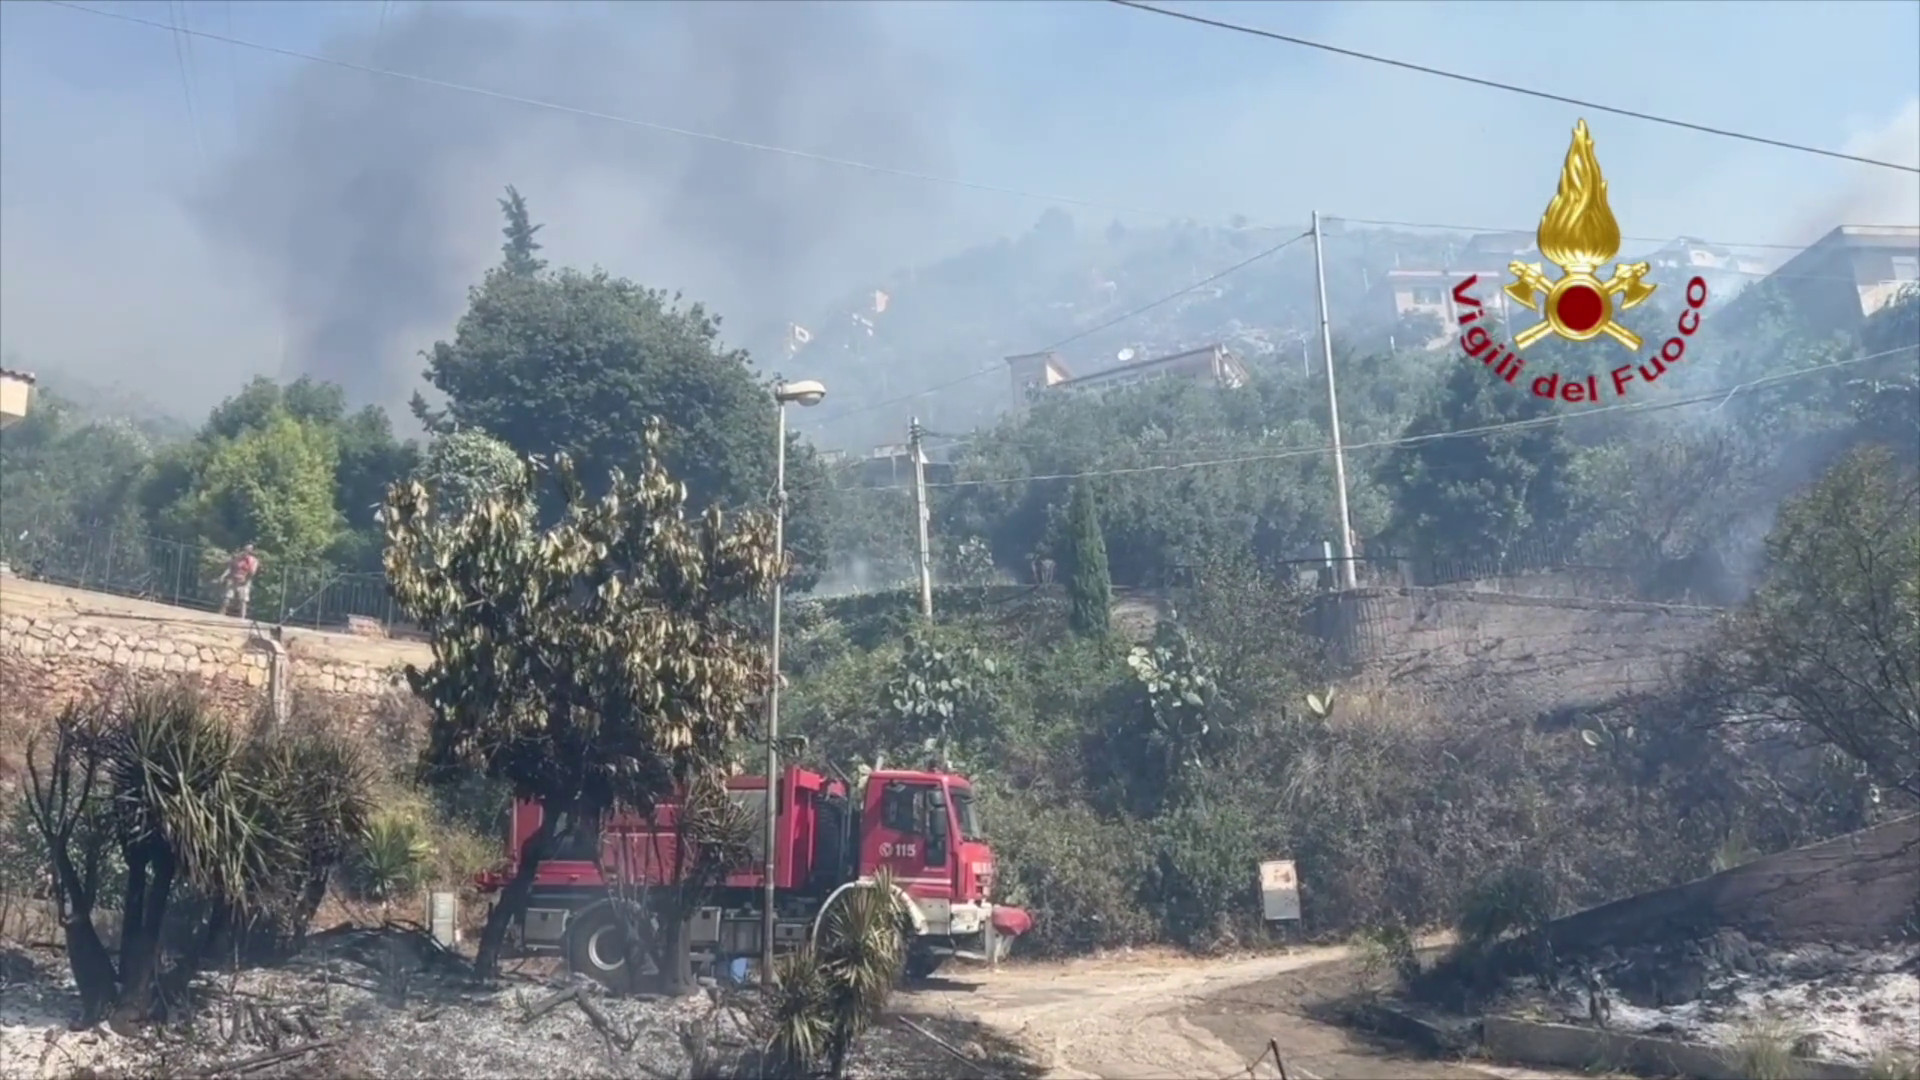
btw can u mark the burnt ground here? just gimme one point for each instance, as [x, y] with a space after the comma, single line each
[1849, 1003]
[386, 1002]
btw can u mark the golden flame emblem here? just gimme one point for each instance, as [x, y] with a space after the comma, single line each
[1578, 234]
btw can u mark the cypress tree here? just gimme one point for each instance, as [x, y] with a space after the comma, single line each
[519, 249]
[1088, 587]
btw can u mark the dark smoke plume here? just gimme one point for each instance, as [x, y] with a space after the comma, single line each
[367, 206]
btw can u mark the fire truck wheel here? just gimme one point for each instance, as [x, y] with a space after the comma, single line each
[597, 947]
[921, 964]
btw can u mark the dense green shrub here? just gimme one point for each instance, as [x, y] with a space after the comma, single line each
[1078, 873]
[1199, 885]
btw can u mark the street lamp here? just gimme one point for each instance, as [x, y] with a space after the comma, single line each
[806, 392]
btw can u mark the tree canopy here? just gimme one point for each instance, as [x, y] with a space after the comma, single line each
[1482, 496]
[595, 662]
[1830, 643]
[462, 467]
[576, 362]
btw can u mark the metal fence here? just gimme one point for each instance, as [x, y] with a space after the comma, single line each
[1518, 563]
[120, 561]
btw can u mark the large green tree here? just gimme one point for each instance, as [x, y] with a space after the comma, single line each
[1479, 496]
[271, 485]
[574, 362]
[595, 662]
[367, 457]
[1256, 494]
[58, 469]
[520, 258]
[1830, 643]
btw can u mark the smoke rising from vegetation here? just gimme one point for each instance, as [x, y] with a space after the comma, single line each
[1875, 196]
[366, 205]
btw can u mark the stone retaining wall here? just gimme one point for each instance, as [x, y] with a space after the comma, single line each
[1511, 650]
[59, 644]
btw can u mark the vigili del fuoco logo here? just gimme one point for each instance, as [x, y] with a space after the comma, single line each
[1578, 234]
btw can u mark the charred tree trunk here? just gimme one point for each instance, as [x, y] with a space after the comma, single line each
[60, 804]
[140, 948]
[305, 910]
[219, 921]
[675, 956]
[840, 1042]
[93, 971]
[513, 898]
[138, 858]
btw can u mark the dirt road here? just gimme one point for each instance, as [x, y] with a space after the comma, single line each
[1156, 1017]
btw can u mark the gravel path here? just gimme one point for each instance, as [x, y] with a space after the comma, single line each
[1155, 1016]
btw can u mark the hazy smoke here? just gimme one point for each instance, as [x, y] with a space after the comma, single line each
[1875, 196]
[367, 205]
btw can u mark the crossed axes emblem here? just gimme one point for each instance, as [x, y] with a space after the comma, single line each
[1542, 295]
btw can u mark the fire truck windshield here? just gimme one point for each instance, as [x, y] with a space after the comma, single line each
[969, 819]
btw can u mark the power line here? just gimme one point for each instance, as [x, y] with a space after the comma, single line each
[1493, 84]
[1385, 223]
[649, 125]
[182, 32]
[995, 367]
[1721, 395]
[230, 39]
[233, 71]
[1202, 283]
[181, 54]
[1088, 332]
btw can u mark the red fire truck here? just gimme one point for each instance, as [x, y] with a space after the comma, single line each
[921, 826]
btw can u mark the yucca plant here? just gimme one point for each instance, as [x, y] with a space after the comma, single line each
[393, 858]
[184, 815]
[799, 1015]
[195, 810]
[832, 991]
[313, 796]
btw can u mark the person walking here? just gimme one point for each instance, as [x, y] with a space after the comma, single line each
[239, 579]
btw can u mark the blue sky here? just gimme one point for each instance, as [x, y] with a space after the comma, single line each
[173, 255]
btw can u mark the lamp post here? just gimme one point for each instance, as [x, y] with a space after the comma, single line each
[806, 392]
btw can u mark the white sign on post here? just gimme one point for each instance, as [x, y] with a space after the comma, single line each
[1279, 890]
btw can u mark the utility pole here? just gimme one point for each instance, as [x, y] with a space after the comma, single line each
[1347, 576]
[914, 434]
[804, 393]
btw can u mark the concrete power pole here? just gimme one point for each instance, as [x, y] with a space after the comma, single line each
[1347, 576]
[914, 434]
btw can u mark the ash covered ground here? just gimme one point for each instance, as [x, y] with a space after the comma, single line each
[1835, 1002]
[386, 1002]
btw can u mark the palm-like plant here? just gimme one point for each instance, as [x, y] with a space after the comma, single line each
[799, 1015]
[393, 856]
[310, 799]
[181, 810]
[832, 991]
[245, 824]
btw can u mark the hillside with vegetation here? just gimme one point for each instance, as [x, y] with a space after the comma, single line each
[1130, 780]
[1062, 281]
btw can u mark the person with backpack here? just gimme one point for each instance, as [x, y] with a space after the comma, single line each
[239, 579]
